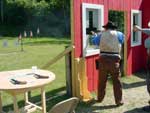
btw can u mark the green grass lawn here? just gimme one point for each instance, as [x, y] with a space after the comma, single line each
[37, 52]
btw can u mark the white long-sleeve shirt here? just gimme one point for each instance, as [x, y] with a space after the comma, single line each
[147, 41]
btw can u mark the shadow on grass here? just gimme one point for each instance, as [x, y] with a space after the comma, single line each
[52, 98]
[133, 85]
[136, 110]
[12, 52]
[41, 40]
[48, 42]
[93, 107]
[141, 75]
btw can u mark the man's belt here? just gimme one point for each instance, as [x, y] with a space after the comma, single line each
[109, 52]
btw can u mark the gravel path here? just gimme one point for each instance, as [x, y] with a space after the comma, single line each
[134, 93]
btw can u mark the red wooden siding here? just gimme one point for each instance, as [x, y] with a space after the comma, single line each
[146, 18]
[134, 54]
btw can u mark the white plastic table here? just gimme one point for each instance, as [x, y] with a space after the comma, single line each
[32, 83]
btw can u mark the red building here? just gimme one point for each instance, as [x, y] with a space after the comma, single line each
[91, 15]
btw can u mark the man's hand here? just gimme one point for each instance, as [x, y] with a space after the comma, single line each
[149, 24]
[137, 28]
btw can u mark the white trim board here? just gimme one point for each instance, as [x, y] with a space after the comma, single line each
[100, 8]
[139, 23]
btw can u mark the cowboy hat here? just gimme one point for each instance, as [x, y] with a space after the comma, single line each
[110, 25]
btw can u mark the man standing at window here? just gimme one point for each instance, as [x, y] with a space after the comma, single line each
[147, 46]
[110, 48]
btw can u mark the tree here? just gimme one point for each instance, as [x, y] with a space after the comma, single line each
[118, 18]
[2, 10]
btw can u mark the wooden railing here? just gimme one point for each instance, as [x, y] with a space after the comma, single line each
[59, 56]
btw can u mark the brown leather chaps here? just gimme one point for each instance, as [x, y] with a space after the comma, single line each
[109, 65]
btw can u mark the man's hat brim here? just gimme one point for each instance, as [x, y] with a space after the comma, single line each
[115, 27]
[110, 25]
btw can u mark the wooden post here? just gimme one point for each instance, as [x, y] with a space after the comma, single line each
[68, 74]
[125, 45]
[43, 99]
[73, 51]
[21, 44]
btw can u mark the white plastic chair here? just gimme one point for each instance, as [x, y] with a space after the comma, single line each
[66, 106]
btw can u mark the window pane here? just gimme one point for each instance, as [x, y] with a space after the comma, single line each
[90, 19]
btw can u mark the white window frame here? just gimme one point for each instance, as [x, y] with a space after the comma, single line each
[139, 13]
[100, 9]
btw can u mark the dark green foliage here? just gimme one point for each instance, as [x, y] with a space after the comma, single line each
[15, 15]
[118, 18]
[51, 16]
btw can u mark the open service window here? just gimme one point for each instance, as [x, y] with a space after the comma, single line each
[92, 20]
[135, 20]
